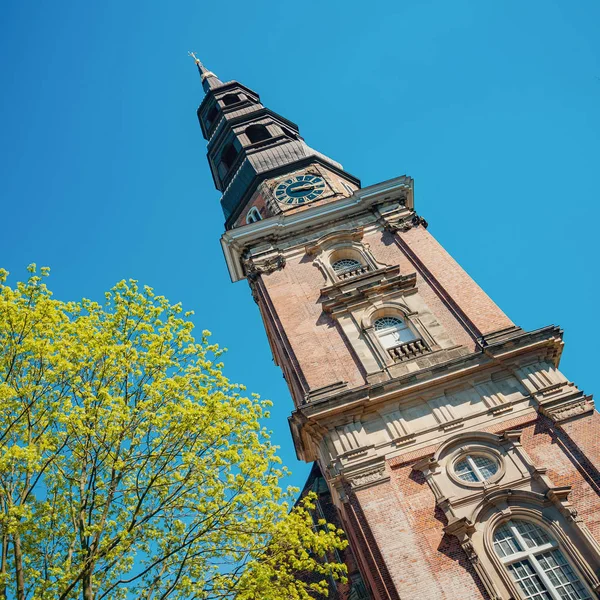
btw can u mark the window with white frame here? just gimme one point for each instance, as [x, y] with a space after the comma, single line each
[536, 563]
[476, 468]
[392, 332]
[253, 215]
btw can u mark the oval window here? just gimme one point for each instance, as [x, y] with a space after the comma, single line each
[476, 468]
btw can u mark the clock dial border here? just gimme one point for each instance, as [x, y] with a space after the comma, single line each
[289, 191]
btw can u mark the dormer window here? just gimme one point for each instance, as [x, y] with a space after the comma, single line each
[253, 215]
[230, 99]
[392, 332]
[257, 133]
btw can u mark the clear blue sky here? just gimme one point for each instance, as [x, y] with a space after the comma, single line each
[493, 108]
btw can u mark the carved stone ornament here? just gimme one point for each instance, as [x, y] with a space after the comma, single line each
[406, 223]
[263, 265]
[366, 478]
[564, 412]
[470, 552]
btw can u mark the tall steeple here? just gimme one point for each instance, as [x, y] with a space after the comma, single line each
[448, 438]
[253, 150]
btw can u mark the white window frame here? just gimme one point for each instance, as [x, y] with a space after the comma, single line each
[473, 465]
[253, 215]
[389, 331]
[530, 555]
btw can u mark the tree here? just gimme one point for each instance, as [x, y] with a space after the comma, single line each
[130, 467]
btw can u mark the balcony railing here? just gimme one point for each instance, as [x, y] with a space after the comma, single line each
[408, 350]
[352, 272]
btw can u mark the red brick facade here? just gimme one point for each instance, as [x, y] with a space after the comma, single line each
[320, 349]
[396, 527]
[398, 532]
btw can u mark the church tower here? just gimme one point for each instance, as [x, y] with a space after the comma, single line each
[461, 462]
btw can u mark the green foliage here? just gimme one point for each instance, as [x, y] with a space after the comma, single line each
[130, 467]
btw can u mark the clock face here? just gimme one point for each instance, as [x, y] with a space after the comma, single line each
[299, 189]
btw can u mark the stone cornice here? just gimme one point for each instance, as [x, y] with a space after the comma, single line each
[235, 242]
[565, 406]
[333, 410]
[541, 342]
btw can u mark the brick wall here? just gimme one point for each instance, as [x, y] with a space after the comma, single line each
[423, 562]
[406, 529]
[322, 351]
[456, 283]
[385, 250]
[550, 447]
[585, 434]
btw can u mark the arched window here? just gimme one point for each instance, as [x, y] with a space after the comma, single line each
[257, 133]
[476, 468]
[253, 215]
[230, 99]
[345, 264]
[392, 332]
[211, 116]
[536, 563]
[228, 156]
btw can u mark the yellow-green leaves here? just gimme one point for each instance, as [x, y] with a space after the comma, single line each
[131, 467]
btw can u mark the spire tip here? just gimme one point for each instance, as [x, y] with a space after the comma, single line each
[208, 78]
[193, 55]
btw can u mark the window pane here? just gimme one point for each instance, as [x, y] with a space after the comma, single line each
[464, 471]
[487, 467]
[505, 543]
[389, 322]
[475, 468]
[529, 582]
[389, 340]
[406, 335]
[345, 264]
[532, 534]
[393, 331]
[561, 575]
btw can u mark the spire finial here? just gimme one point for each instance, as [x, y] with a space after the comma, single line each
[208, 78]
[196, 60]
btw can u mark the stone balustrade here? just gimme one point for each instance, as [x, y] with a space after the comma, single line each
[408, 350]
